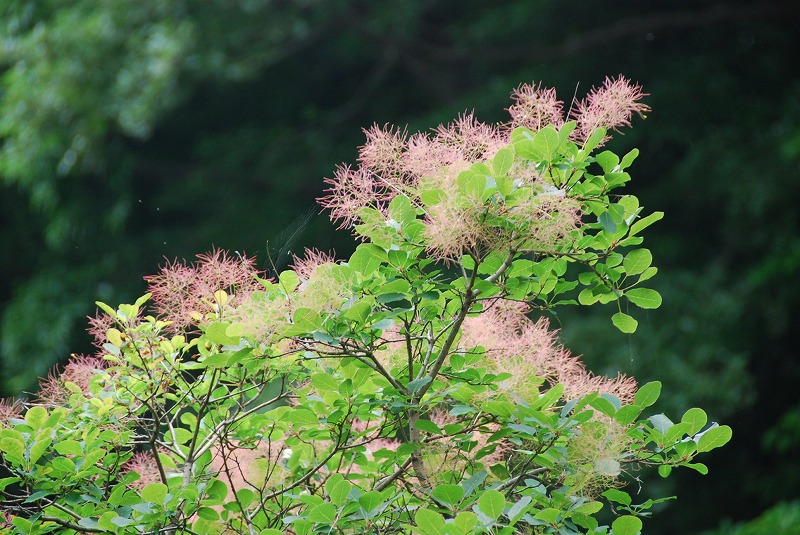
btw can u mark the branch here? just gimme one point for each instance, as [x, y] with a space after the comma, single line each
[69, 525]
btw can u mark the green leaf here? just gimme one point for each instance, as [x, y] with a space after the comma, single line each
[626, 525]
[474, 482]
[401, 210]
[416, 384]
[324, 513]
[12, 447]
[370, 500]
[68, 447]
[644, 297]
[628, 159]
[429, 522]
[661, 423]
[339, 492]
[325, 382]
[491, 503]
[217, 334]
[36, 416]
[448, 494]
[522, 141]
[624, 322]
[207, 513]
[38, 448]
[607, 222]
[699, 467]
[618, 496]
[664, 470]
[648, 273]
[107, 309]
[549, 515]
[519, 508]
[154, 493]
[545, 143]
[121, 521]
[637, 261]
[627, 414]
[696, 418]
[604, 406]
[359, 311]
[648, 394]
[217, 360]
[714, 438]
[427, 426]
[466, 521]
[645, 222]
[588, 297]
[303, 416]
[594, 139]
[366, 258]
[607, 160]
[218, 490]
[503, 161]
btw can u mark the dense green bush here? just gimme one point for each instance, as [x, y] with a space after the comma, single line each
[406, 389]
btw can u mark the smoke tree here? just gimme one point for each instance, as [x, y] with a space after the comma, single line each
[416, 387]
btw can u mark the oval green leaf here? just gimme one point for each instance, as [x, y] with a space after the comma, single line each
[644, 297]
[714, 438]
[648, 394]
[624, 322]
[491, 503]
[626, 525]
[637, 261]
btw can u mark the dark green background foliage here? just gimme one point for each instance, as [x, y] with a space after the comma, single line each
[132, 132]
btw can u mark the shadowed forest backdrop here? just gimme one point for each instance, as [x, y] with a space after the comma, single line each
[135, 132]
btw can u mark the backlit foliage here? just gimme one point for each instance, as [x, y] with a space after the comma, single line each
[404, 390]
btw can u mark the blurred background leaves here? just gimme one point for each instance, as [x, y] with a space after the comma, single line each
[132, 132]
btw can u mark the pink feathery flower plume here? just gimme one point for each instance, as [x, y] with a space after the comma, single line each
[181, 291]
[610, 106]
[536, 107]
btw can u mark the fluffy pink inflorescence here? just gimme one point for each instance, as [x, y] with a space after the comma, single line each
[392, 162]
[529, 350]
[9, 408]
[610, 106]
[99, 324]
[312, 258]
[383, 151]
[143, 464]
[535, 107]
[181, 291]
[79, 370]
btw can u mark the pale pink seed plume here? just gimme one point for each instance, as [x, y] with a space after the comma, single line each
[546, 219]
[473, 140]
[426, 156]
[351, 190]
[99, 324]
[10, 408]
[527, 350]
[535, 107]
[392, 162]
[383, 152]
[312, 258]
[181, 291]
[610, 106]
[145, 465]
[79, 370]
[453, 230]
